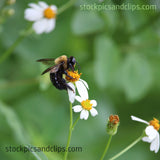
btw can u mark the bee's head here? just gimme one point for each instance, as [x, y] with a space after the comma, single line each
[71, 63]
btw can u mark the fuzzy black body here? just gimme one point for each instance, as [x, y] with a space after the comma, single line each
[58, 81]
[56, 72]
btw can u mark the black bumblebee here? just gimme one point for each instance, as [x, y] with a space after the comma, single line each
[62, 64]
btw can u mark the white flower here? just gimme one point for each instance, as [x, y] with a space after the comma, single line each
[86, 106]
[152, 135]
[42, 15]
[81, 86]
[76, 83]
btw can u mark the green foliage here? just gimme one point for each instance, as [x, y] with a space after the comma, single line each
[137, 76]
[106, 60]
[14, 123]
[119, 55]
[86, 22]
[18, 130]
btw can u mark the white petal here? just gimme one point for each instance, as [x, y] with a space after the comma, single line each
[155, 144]
[35, 6]
[157, 148]
[94, 103]
[77, 108]
[43, 4]
[93, 112]
[78, 98]
[32, 14]
[71, 94]
[138, 119]
[151, 132]
[85, 83]
[146, 139]
[40, 26]
[82, 90]
[50, 25]
[84, 114]
[54, 8]
[153, 138]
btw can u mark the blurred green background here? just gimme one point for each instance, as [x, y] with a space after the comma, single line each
[119, 55]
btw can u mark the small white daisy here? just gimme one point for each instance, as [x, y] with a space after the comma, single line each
[152, 135]
[42, 15]
[86, 106]
[78, 83]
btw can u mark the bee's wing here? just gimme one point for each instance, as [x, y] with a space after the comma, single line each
[47, 61]
[52, 69]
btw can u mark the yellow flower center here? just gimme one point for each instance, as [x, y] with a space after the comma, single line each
[86, 104]
[49, 13]
[155, 123]
[75, 76]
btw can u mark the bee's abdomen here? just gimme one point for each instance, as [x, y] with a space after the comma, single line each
[58, 81]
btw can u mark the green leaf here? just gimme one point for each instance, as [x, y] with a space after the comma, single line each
[106, 60]
[137, 17]
[86, 22]
[18, 130]
[136, 76]
[39, 155]
[146, 42]
[14, 123]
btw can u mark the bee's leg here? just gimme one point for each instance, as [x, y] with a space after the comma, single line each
[71, 67]
[65, 85]
[65, 72]
[69, 87]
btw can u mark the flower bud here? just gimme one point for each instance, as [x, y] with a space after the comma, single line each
[10, 12]
[112, 124]
[10, 2]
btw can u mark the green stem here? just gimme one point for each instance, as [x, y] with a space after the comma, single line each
[75, 122]
[70, 132]
[127, 148]
[66, 6]
[8, 52]
[71, 127]
[106, 148]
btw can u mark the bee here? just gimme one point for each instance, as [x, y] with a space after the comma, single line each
[62, 64]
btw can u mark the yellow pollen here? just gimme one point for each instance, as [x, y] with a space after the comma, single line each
[49, 13]
[75, 76]
[155, 123]
[86, 104]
